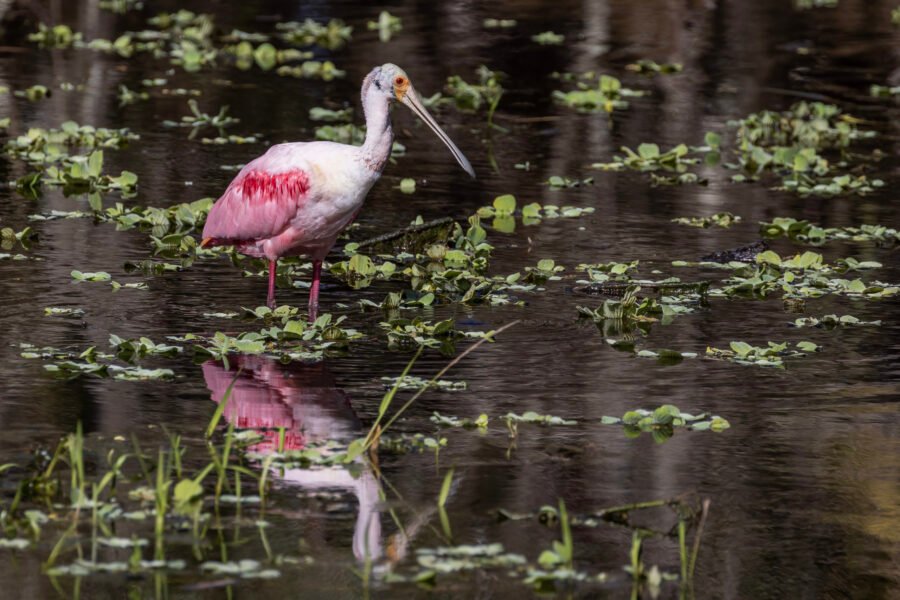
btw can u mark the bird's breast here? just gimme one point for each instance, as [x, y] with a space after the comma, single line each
[336, 195]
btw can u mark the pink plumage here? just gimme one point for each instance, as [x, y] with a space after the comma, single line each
[257, 205]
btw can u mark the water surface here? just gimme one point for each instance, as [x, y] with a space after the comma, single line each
[803, 486]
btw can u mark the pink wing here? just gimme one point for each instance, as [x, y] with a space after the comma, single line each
[258, 204]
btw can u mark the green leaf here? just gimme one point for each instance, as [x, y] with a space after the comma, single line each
[505, 204]
[445, 489]
[295, 327]
[741, 348]
[249, 346]
[768, 257]
[355, 449]
[126, 179]
[187, 492]
[648, 151]
[632, 417]
[531, 210]
[266, 56]
[95, 163]
[665, 414]
[361, 264]
[857, 286]
[807, 346]
[548, 559]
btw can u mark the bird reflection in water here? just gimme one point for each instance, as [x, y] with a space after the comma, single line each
[304, 400]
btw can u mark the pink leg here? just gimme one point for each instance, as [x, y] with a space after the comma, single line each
[270, 302]
[314, 290]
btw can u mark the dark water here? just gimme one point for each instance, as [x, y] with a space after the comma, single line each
[804, 487]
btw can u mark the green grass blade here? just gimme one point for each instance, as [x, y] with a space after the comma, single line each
[220, 409]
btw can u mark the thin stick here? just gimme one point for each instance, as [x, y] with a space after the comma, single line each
[696, 549]
[449, 366]
[217, 414]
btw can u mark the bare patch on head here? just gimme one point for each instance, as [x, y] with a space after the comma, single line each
[401, 86]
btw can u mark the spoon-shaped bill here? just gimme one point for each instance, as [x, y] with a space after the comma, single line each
[411, 99]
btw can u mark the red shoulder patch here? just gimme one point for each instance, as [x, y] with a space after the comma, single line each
[274, 186]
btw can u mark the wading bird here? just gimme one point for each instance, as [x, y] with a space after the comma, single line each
[297, 197]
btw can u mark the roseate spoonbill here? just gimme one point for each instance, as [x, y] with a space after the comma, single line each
[297, 197]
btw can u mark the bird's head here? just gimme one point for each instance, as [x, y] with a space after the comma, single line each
[391, 82]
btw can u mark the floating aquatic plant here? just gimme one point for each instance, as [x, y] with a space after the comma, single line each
[791, 144]
[649, 158]
[85, 174]
[9, 238]
[545, 270]
[662, 420]
[499, 23]
[548, 38]
[34, 93]
[411, 382]
[48, 146]
[131, 350]
[59, 311]
[70, 369]
[607, 96]
[772, 355]
[265, 55]
[406, 333]
[121, 6]
[481, 422]
[833, 321]
[331, 36]
[360, 270]
[721, 219]
[813, 125]
[663, 356]
[804, 231]
[557, 182]
[530, 417]
[312, 69]
[294, 338]
[884, 91]
[650, 67]
[837, 185]
[471, 97]
[503, 210]
[57, 36]
[128, 97]
[318, 113]
[633, 308]
[386, 25]
[808, 4]
[198, 119]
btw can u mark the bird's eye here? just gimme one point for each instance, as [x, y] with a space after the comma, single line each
[399, 81]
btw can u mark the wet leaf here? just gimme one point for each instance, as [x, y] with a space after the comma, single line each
[386, 26]
[548, 38]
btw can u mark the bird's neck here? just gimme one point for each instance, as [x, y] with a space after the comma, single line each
[376, 150]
